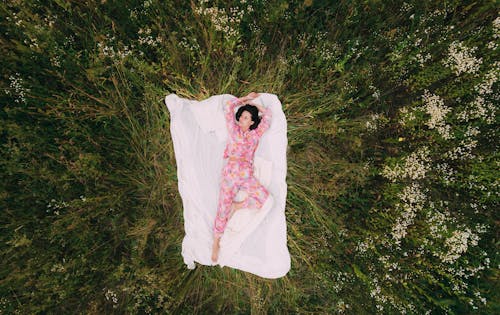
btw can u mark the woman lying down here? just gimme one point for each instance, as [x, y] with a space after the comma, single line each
[245, 128]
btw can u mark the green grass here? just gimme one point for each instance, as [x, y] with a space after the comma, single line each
[91, 218]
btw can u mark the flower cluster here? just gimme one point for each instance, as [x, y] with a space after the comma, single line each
[55, 206]
[382, 299]
[493, 45]
[342, 306]
[496, 28]
[190, 44]
[458, 244]
[422, 59]
[371, 124]
[375, 121]
[406, 7]
[491, 77]
[464, 149]
[303, 39]
[461, 59]
[58, 267]
[328, 53]
[376, 293]
[225, 22]
[294, 59]
[319, 45]
[55, 61]
[354, 49]
[111, 296]
[16, 88]
[17, 20]
[109, 51]
[470, 270]
[414, 166]
[446, 172]
[406, 116]
[363, 246]
[483, 106]
[376, 92]
[50, 20]
[32, 42]
[143, 9]
[145, 37]
[412, 201]
[434, 106]
[437, 221]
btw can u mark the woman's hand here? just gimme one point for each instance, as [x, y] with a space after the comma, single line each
[246, 99]
[252, 95]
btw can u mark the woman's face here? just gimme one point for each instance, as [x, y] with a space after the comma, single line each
[245, 120]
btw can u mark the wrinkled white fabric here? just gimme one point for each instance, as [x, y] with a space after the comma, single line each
[254, 239]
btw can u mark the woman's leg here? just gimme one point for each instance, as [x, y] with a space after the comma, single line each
[257, 193]
[227, 192]
[215, 248]
[228, 189]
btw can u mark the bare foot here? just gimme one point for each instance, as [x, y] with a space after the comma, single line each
[215, 249]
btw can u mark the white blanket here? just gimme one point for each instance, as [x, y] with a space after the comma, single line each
[254, 239]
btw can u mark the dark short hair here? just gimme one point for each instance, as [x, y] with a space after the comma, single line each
[253, 110]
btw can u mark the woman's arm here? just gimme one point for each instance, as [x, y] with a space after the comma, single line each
[232, 103]
[265, 120]
[230, 119]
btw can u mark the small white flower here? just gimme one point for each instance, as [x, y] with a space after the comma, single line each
[434, 105]
[414, 166]
[461, 59]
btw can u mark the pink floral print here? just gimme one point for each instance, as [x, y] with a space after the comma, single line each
[238, 174]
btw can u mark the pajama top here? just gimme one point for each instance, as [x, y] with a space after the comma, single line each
[242, 144]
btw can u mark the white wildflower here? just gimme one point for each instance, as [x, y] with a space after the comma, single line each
[406, 7]
[145, 37]
[58, 267]
[464, 149]
[422, 59]
[16, 88]
[446, 172]
[483, 106]
[412, 202]
[55, 61]
[496, 28]
[406, 116]
[437, 222]
[458, 244]
[190, 43]
[493, 45]
[109, 51]
[434, 105]
[225, 22]
[372, 122]
[376, 92]
[111, 296]
[461, 59]
[415, 166]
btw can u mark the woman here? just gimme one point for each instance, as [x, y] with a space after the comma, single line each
[245, 129]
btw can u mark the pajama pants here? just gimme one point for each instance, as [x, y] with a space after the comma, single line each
[237, 175]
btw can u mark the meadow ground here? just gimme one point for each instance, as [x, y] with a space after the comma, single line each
[392, 158]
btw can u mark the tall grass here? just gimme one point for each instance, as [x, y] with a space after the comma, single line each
[91, 218]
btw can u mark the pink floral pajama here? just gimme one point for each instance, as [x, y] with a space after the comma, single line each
[238, 174]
